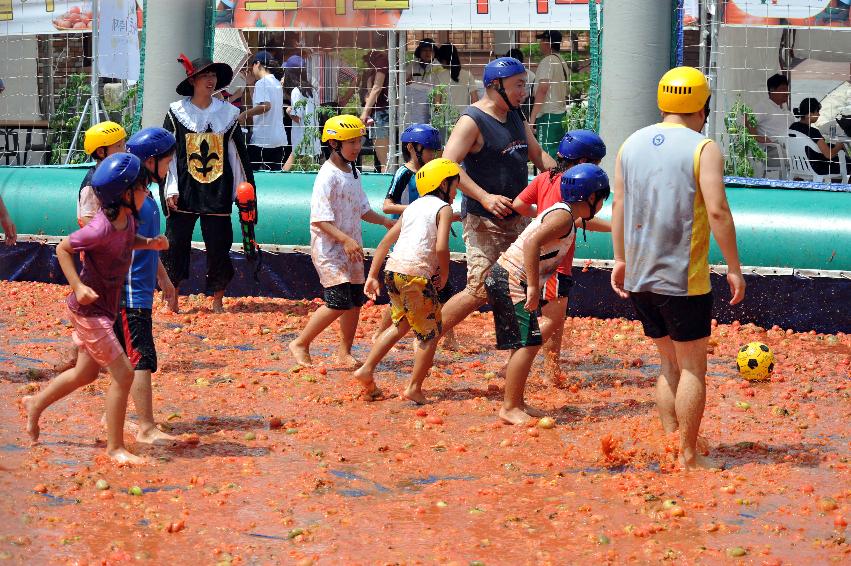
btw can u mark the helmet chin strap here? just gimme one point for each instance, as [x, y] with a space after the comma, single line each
[418, 150]
[501, 91]
[339, 152]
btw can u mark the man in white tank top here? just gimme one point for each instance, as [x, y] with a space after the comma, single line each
[669, 193]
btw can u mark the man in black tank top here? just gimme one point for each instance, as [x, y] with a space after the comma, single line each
[494, 143]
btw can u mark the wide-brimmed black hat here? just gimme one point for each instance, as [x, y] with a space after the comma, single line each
[224, 74]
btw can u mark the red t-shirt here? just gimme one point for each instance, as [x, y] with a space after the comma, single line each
[543, 193]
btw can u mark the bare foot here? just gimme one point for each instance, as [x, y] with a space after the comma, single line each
[123, 457]
[450, 342]
[348, 360]
[32, 418]
[218, 308]
[533, 411]
[364, 376]
[153, 435]
[172, 304]
[702, 445]
[701, 463]
[414, 394]
[514, 416]
[300, 353]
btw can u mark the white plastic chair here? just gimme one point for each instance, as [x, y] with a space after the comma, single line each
[800, 166]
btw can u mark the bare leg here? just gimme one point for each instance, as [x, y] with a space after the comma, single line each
[423, 361]
[667, 384]
[85, 372]
[173, 305]
[218, 298]
[142, 394]
[691, 400]
[519, 364]
[384, 324]
[321, 319]
[288, 164]
[116, 411]
[348, 326]
[382, 345]
[552, 330]
[381, 146]
[457, 309]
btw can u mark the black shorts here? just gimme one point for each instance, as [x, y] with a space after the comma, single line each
[557, 287]
[515, 326]
[682, 318]
[446, 293]
[344, 296]
[134, 330]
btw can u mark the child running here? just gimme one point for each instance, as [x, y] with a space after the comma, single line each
[420, 144]
[108, 240]
[134, 326]
[336, 245]
[100, 141]
[417, 269]
[514, 283]
[577, 146]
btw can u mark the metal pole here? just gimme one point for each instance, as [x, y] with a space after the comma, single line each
[93, 104]
[77, 132]
[403, 83]
[392, 101]
[704, 35]
[712, 126]
[636, 53]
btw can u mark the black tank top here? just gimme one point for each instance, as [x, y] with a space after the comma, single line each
[500, 167]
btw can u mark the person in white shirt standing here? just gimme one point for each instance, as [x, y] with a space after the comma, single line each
[268, 137]
[773, 118]
[302, 110]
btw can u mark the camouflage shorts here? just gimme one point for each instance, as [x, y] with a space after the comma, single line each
[485, 240]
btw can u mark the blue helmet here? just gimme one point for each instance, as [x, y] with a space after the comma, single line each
[577, 144]
[423, 134]
[114, 176]
[151, 142]
[581, 181]
[502, 68]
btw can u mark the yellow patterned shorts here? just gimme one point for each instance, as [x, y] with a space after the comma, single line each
[414, 298]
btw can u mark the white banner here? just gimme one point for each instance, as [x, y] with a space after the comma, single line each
[118, 40]
[28, 17]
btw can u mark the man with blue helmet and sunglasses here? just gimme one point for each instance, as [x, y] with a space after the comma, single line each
[494, 143]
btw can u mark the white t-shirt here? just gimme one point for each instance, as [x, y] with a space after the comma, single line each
[772, 120]
[307, 119]
[553, 69]
[339, 198]
[268, 128]
[459, 93]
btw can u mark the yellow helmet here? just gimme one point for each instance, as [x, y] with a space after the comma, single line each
[102, 135]
[343, 127]
[682, 90]
[433, 173]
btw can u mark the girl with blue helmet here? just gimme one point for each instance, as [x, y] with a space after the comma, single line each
[515, 284]
[108, 241]
[420, 144]
[576, 147]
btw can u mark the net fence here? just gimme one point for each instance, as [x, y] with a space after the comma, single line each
[395, 63]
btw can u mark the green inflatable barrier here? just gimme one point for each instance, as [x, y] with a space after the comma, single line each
[775, 227]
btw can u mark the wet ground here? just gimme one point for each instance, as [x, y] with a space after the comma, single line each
[287, 465]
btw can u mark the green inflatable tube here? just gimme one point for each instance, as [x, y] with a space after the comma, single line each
[775, 227]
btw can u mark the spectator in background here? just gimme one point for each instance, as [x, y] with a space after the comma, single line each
[550, 93]
[235, 91]
[773, 118]
[376, 104]
[826, 160]
[302, 111]
[530, 82]
[268, 138]
[459, 83]
[418, 76]
[334, 82]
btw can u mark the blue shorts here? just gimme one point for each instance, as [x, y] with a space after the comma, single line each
[381, 128]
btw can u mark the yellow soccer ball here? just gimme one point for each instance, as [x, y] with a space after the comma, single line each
[755, 361]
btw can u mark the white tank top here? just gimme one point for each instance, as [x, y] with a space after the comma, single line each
[414, 252]
[552, 252]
